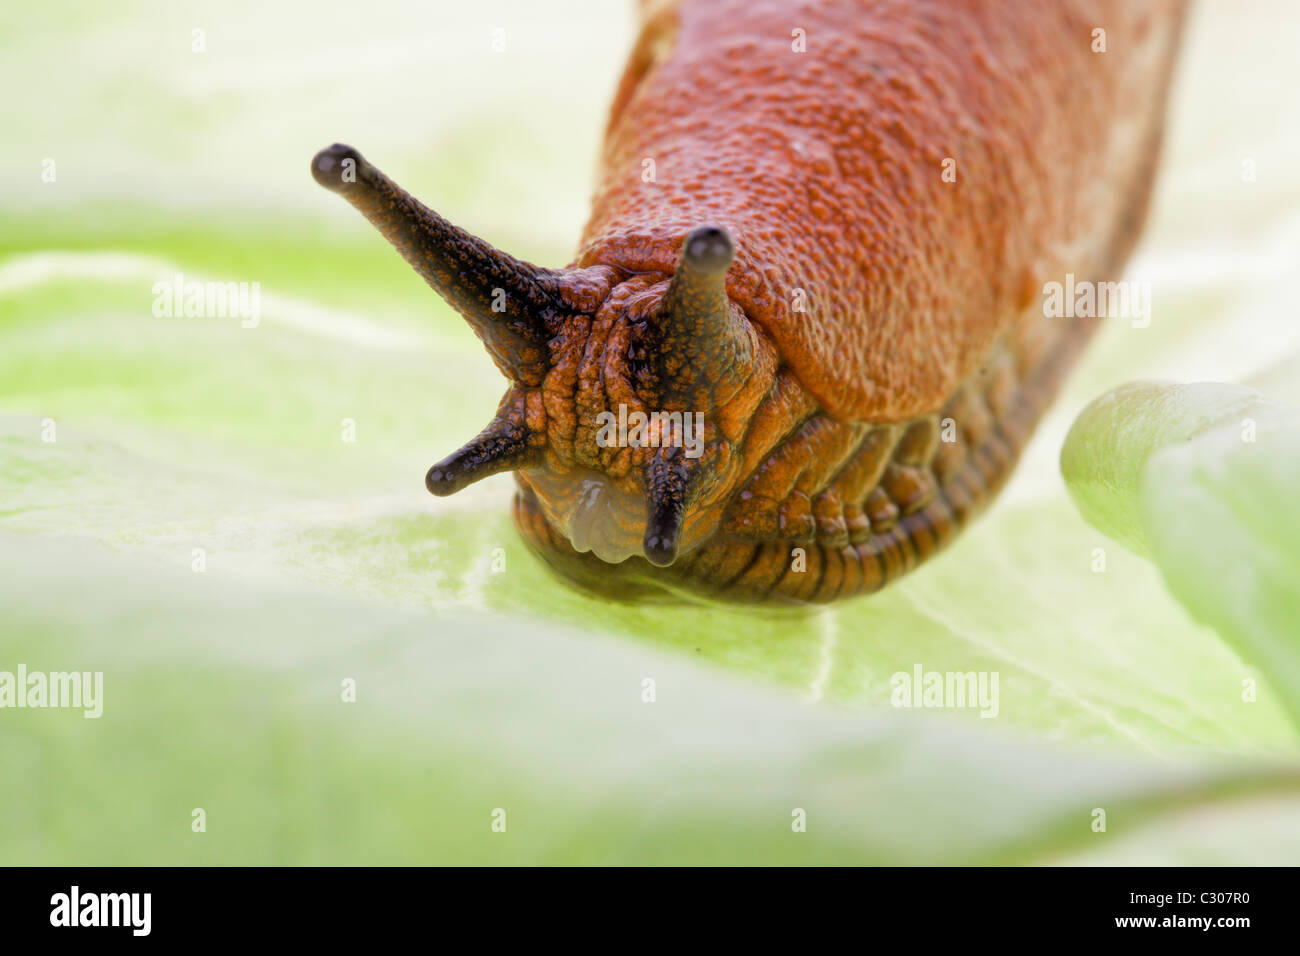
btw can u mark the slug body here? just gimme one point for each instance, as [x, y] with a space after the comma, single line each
[804, 341]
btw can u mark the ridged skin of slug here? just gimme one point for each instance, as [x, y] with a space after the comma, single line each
[826, 164]
[919, 297]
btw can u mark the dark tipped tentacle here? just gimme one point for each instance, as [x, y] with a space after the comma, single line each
[505, 445]
[667, 480]
[703, 338]
[508, 302]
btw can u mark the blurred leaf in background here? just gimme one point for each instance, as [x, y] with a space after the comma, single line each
[1204, 479]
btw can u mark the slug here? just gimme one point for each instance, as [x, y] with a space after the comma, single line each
[804, 337]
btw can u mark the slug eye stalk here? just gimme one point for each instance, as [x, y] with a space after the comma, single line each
[703, 339]
[510, 304]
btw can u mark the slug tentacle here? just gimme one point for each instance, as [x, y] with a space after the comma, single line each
[509, 303]
[505, 444]
[703, 339]
[667, 486]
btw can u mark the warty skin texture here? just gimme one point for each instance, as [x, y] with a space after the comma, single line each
[875, 357]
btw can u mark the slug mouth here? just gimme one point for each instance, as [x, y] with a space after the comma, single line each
[598, 515]
[591, 511]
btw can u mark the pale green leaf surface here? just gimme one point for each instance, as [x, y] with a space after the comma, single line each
[223, 692]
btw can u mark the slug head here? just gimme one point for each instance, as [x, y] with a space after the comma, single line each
[630, 392]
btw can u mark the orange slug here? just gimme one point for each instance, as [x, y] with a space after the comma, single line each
[804, 339]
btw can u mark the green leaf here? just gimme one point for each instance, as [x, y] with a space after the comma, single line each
[1203, 479]
[224, 693]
